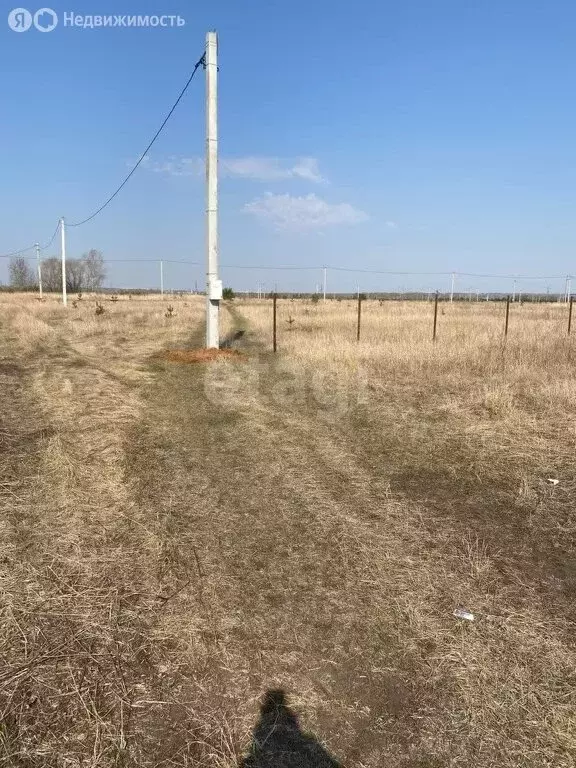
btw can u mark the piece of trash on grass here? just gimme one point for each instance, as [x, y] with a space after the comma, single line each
[462, 613]
[552, 480]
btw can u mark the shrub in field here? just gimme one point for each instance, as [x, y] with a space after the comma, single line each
[169, 312]
[99, 308]
[228, 294]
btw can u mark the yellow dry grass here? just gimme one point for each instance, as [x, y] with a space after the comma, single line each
[331, 507]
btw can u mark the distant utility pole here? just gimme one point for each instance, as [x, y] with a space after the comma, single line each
[568, 292]
[39, 269]
[161, 277]
[214, 284]
[514, 291]
[452, 287]
[63, 250]
[325, 284]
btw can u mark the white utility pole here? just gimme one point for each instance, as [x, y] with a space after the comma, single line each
[214, 285]
[324, 286]
[514, 291]
[568, 289]
[63, 249]
[39, 270]
[452, 287]
[162, 278]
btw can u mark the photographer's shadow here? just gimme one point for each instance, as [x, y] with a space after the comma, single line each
[279, 742]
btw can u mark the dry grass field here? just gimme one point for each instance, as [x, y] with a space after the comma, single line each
[178, 538]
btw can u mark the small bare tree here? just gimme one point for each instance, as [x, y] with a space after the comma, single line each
[52, 275]
[94, 270]
[21, 273]
[75, 269]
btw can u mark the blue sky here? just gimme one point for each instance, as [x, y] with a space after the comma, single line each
[416, 136]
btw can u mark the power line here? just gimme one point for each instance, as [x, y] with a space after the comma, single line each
[31, 247]
[295, 268]
[386, 272]
[17, 253]
[49, 243]
[126, 180]
[247, 266]
[143, 155]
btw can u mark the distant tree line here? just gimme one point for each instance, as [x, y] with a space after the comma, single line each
[85, 274]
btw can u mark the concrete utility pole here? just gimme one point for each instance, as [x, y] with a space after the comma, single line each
[568, 289]
[324, 284]
[452, 287]
[214, 284]
[514, 291]
[161, 277]
[63, 249]
[39, 269]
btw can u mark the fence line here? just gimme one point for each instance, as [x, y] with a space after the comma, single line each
[361, 299]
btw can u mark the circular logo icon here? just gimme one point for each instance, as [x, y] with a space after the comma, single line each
[19, 20]
[45, 20]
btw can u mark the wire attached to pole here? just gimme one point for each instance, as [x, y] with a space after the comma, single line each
[143, 155]
[200, 62]
[32, 247]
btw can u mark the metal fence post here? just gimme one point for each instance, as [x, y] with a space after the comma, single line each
[435, 316]
[274, 339]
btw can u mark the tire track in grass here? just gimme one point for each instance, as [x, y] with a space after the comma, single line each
[274, 545]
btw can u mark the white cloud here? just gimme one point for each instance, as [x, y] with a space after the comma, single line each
[300, 213]
[251, 167]
[272, 169]
[175, 166]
